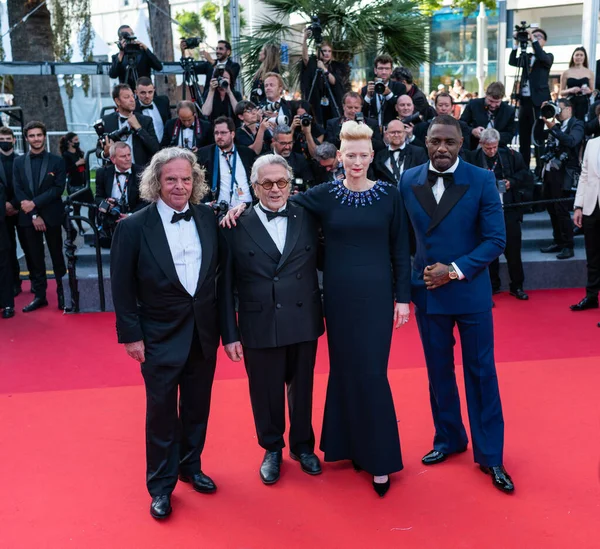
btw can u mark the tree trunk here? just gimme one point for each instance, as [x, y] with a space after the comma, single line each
[162, 44]
[38, 96]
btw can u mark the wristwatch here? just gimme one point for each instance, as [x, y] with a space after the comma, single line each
[34, 217]
[452, 272]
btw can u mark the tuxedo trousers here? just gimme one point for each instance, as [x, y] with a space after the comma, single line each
[591, 234]
[512, 253]
[270, 371]
[177, 410]
[559, 212]
[14, 232]
[7, 298]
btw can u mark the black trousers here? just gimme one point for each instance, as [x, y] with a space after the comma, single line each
[269, 372]
[176, 427]
[591, 234]
[34, 252]
[512, 252]
[560, 216]
[14, 231]
[6, 283]
[528, 114]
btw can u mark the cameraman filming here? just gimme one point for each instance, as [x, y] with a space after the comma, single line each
[209, 66]
[221, 99]
[134, 59]
[380, 95]
[560, 166]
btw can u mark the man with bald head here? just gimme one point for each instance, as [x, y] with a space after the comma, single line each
[187, 130]
[407, 113]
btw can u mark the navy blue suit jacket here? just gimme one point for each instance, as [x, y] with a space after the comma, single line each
[466, 227]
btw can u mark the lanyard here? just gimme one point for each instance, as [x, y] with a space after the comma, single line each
[123, 190]
[396, 165]
[232, 172]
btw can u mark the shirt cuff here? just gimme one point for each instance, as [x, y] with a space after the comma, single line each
[389, 96]
[367, 99]
[460, 274]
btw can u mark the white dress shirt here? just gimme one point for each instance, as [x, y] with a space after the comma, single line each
[277, 228]
[186, 138]
[241, 190]
[388, 162]
[438, 191]
[119, 180]
[129, 139]
[184, 243]
[380, 101]
[157, 121]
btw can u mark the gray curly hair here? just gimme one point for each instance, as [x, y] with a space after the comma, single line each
[150, 180]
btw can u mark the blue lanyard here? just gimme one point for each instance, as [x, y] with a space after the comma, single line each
[217, 164]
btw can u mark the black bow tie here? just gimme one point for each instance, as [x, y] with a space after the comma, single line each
[398, 154]
[186, 216]
[272, 215]
[126, 174]
[151, 106]
[123, 119]
[432, 177]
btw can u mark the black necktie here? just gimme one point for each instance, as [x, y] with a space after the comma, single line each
[432, 177]
[186, 216]
[272, 215]
[151, 106]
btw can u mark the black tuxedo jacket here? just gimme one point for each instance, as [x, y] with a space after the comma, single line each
[146, 61]
[539, 73]
[161, 102]
[475, 115]
[145, 143]
[334, 127]
[592, 126]
[105, 177]
[4, 239]
[6, 179]
[170, 139]
[206, 157]
[46, 194]
[414, 156]
[389, 108]
[301, 168]
[421, 129]
[150, 302]
[279, 296]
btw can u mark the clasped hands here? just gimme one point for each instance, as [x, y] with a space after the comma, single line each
[436, 275]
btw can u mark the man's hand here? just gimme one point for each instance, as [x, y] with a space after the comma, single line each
[371, 89]
[436, 275]
[141, 45]
[121, 217]
[27, 205]
[234, 351]
[134, 122]
[476, 132]
[107, 144]
[408, 130]
[578, 218]
[10, 210]
[231, 215]
[507, 182]
[136, 351]
[401, 314]
[39, 225]
[549, 123]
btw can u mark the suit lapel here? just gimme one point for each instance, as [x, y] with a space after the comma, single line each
[29, 173]
[381, 161]
[294, 228]
[259, 234]
[424, 194]
[43, 170]
[109, 179]
[205, 241]
[449, 199]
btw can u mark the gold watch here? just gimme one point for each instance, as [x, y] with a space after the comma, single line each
[452, 272]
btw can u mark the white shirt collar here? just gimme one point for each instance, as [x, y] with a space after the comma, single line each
[401, 148]
[166, 212]
[451, 169]
[270, 210]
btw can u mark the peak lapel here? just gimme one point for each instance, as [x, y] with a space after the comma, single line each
[449, 199]
[294, 228]
[254, 227]
[207, 243]
[424, 194]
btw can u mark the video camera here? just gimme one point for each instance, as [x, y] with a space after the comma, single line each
[522, 36]
[130, 46]
[316, 29]
[192, 43]
[120, 134]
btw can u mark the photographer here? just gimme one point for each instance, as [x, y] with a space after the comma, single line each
[270, 61]
[188, 130]
[221, 99]
[405, 77]
[135, 130]
[209, 66]
[560, 168]
[253, 130]
[512, 180]
[592, 126]
[534, 89]
[323, 80]
[490, 112]
[308, 134]
[155, 106]
[380, 94]
[275, 107]
[134, 58]
[406, 112]
[282, 144]
[329, 168]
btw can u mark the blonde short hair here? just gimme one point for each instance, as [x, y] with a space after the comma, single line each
[353, 131]
[150, 181]
[275, 75]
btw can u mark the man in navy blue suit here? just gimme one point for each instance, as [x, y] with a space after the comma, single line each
[457, 217]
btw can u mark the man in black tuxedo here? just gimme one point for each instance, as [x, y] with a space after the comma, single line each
[145, 60]
[444, 104]
[188, 130]
[534, 86]
[141, 137]
[490, 112]
[380, 106]
[155, 106]
[411, 118]
[270, 257]
[405, 77]
[352, 104]
[207, 67]
[283, 142]
[7, 296]
[39, 179]
[163, 266]
[227, 166]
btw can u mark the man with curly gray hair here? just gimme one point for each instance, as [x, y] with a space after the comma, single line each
[163, 276]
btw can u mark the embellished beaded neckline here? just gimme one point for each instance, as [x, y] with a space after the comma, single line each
[358, 198]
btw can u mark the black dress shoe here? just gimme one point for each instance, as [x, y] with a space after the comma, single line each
[435, 456]
[37, 303]
[8, 312]
[552, 249]
[309, 462]
[382, 488]
[500, 478]
[566, 253]
[200, 482]
[160, 508]
[270, 467]
[520, 294]
[585, 303]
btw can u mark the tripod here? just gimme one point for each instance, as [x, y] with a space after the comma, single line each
[131, 73]
[190, 82]
[319, 72]
[521, 75]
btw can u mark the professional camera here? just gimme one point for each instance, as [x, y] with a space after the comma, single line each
[306, 119]
[359, 118]
[108, 215]
[193, 42]
[220, 208]
[379, 86]
[272, 106]
[549, 110]
[522, 36]
[130, 46]
[316, 29]
[256, 96]
[219, 70]
[222, 82]
[117, 135]
[412, 119]
[553, 155]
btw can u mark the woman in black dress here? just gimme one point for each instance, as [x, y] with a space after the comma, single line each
[270, 61]
[576, 83]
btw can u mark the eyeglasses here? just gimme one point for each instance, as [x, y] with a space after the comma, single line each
[268, 185]
[395, 133]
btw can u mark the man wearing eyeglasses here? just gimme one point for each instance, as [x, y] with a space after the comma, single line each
[270, 258]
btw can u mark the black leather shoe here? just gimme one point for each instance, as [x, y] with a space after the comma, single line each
[566, 253]
[309, 462]
[435, 456]
[270, 467]
[585, 303]
[500, 478]
[552, 249]
[37, 303]
[60, 294]
[520, 294]
[160, 508]
[200, 482]
[381, 488]
[8, 312]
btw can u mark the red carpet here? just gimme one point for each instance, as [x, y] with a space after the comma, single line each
[72, 475]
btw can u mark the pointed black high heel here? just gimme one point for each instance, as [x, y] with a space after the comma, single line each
[381, 488]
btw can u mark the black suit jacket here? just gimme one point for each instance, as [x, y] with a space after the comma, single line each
[206, 157]
[6, 179]
[171, 139]
[279, 296]
[104, 183]
[150, 302]
[46, 195]
[145, 143]
[389, 108]
[414, 156]
[301, 168]
[592, 126]
[334, 127]
[161, 103]
[146, 61]
[539, 73]
[475, 115]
